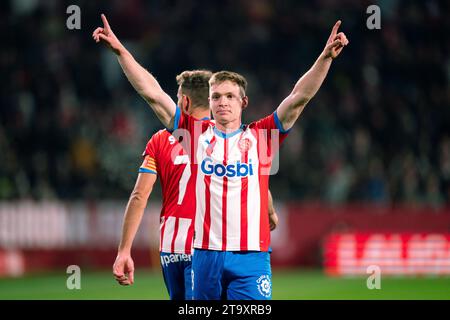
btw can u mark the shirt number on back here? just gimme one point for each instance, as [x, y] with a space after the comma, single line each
[183, 159]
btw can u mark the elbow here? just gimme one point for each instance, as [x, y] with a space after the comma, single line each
[299, 101]
[151, 96]
[139, 197]
[302, 102]
[136, 196]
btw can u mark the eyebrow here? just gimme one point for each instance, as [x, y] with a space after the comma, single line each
[215, 92]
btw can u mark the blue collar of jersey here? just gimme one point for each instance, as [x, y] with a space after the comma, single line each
[227, 135]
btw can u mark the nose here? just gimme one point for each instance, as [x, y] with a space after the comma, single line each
[223, 101]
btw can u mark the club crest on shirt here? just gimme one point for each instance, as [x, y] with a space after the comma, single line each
[244, 145]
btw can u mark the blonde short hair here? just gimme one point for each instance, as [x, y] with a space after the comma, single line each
[195, 84]
[234, 77]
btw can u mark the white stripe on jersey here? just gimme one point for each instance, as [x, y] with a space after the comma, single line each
[216, 191]
[183, 183]
[180, 240]
[253, 206]
[167, 236]
[234, 215]
[200, 189]
[215, 231]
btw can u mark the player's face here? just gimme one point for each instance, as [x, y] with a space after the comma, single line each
[226, 102]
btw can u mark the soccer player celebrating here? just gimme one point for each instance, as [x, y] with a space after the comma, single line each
[229, 166]
[164, 156]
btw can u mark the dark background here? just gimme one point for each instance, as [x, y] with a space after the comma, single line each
[72, 127]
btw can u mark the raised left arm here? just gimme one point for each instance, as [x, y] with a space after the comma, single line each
[307, 86]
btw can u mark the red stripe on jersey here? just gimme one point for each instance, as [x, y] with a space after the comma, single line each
[264, 229]
[207, 220]
[192, 185]
[224, 199]
[244, 218]
[175, 232]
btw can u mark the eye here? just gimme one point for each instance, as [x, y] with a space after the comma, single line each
[229, 96]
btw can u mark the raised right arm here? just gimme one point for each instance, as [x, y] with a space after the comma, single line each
[141, 80]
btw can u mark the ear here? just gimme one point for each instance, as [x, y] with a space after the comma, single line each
[244, 102]
[186, 103]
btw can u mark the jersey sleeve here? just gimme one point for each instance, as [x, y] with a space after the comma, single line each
[270, 123]
[149, 164]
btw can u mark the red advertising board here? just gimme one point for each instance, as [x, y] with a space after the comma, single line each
[393, 253]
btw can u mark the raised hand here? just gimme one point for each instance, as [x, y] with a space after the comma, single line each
[336, 42]
[107, 36]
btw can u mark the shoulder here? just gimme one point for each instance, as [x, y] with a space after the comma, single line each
[155, 141]
[159, 135]
[263, 123]
[269, 122]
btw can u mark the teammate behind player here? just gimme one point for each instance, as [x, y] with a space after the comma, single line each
[176, 227]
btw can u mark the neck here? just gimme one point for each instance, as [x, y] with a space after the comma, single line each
[200, 113]
[228, 126]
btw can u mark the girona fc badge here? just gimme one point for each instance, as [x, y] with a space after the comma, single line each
[244, 145]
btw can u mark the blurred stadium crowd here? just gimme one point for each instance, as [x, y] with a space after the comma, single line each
[72, 127]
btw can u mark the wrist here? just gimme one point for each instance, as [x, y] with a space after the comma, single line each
[325, 57]
[121, 51]
[124, 251]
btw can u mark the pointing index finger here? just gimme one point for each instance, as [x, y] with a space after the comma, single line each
[335, 28]
[105, 22]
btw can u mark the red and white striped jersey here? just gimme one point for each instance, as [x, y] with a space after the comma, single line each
[164, 155]
[231, 174]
